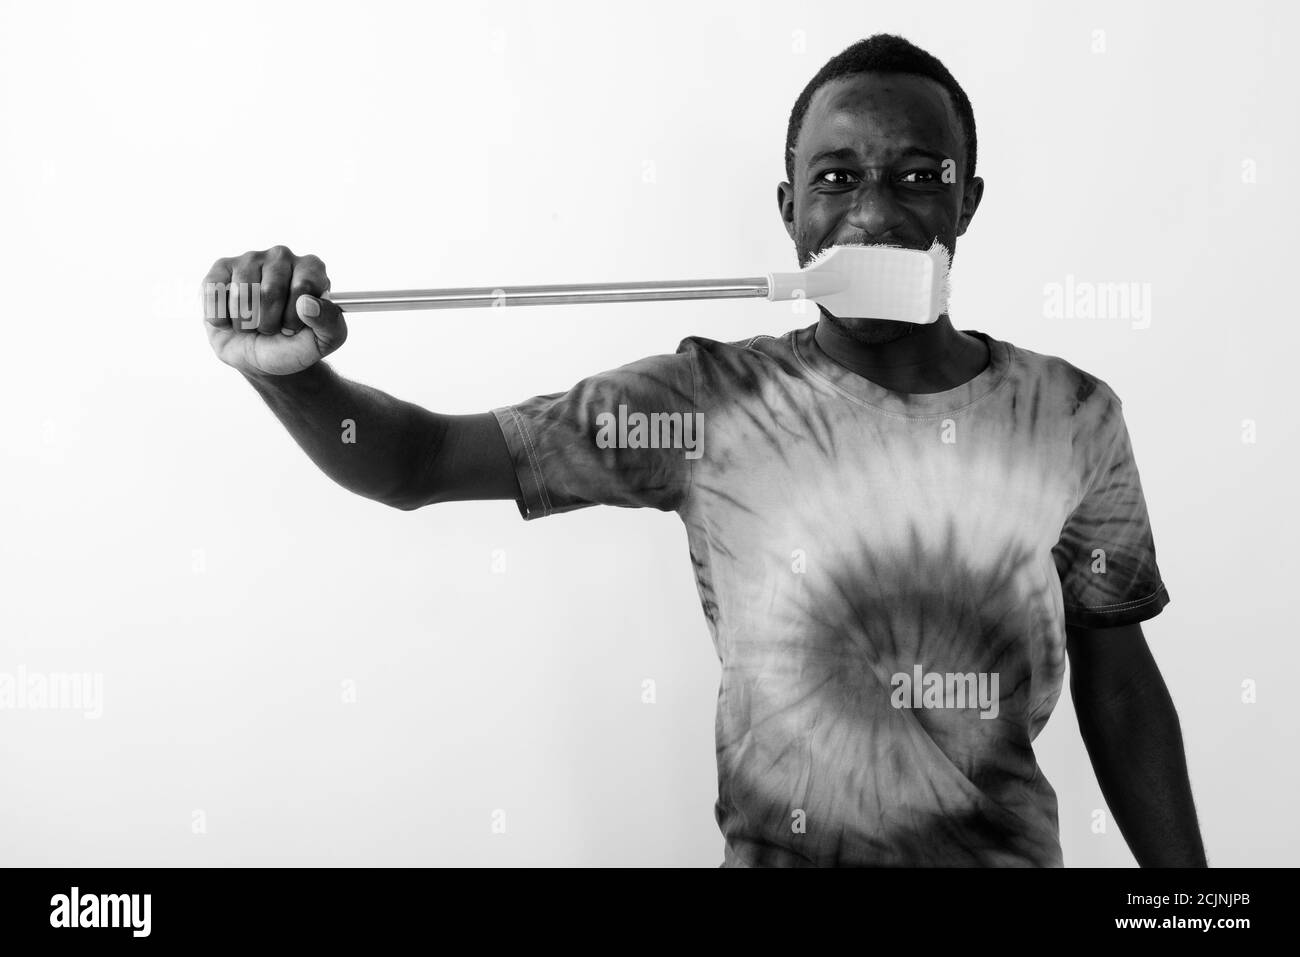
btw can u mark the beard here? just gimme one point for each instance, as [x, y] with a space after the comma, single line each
[870, 332]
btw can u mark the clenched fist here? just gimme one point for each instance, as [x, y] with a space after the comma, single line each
[264, 313]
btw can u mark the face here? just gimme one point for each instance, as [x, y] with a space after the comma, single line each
[880, 160]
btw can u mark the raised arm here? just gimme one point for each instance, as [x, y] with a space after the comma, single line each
[264, 317]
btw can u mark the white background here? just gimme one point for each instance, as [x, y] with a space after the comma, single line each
[160, 528]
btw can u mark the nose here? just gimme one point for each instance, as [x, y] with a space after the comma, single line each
[874, 210]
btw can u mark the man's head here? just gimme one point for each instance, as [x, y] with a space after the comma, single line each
[880, 150]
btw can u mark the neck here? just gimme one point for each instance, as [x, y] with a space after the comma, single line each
[931, 358]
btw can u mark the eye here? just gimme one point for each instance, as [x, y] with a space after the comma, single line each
[924, 176]
[822, 178]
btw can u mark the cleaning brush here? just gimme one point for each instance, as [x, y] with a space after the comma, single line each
[850, 281]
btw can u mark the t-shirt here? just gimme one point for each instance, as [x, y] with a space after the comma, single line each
[886, 578]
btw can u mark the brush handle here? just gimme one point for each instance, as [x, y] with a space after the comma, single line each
[402, 299]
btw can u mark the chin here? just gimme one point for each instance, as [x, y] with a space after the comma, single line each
[870, 332]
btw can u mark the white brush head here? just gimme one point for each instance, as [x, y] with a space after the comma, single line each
[853, 281]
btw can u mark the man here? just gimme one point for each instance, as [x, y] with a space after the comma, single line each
[899, 531]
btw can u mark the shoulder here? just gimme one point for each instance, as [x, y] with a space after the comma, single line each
[1082, 394]
[757, 355]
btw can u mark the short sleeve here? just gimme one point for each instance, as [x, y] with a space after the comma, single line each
[1106, 556]
[626, 437]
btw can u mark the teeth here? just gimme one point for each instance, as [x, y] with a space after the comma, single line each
[818, 256]
[822, 254]
[936, 250]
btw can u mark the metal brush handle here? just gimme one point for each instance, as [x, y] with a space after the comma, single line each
[401, 299]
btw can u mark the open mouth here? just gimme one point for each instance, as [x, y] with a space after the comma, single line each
[820, 254]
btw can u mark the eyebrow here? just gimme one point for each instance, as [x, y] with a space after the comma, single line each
[847, 153]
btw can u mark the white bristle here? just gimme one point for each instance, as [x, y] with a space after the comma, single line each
[942, 257]
[893, 285]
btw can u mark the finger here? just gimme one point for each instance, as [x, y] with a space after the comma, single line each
[215, 302]
[308, 279]
[245, 300]
[324, 319]
[277, 270]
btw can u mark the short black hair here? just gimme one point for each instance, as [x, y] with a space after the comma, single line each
[882, 53]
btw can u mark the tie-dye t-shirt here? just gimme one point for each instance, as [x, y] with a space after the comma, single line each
[886, 578]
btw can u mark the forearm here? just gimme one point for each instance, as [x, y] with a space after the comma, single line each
[1136, 746]
[364, 439]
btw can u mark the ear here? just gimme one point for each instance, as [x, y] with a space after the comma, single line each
[785, 205]
[970, 201]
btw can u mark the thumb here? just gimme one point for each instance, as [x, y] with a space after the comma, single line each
[325, 319]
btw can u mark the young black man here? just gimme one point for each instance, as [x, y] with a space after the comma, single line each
[899, 532]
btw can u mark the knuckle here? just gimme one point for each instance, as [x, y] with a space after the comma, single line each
[306, 285]
[311, 273]
[268, 321]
